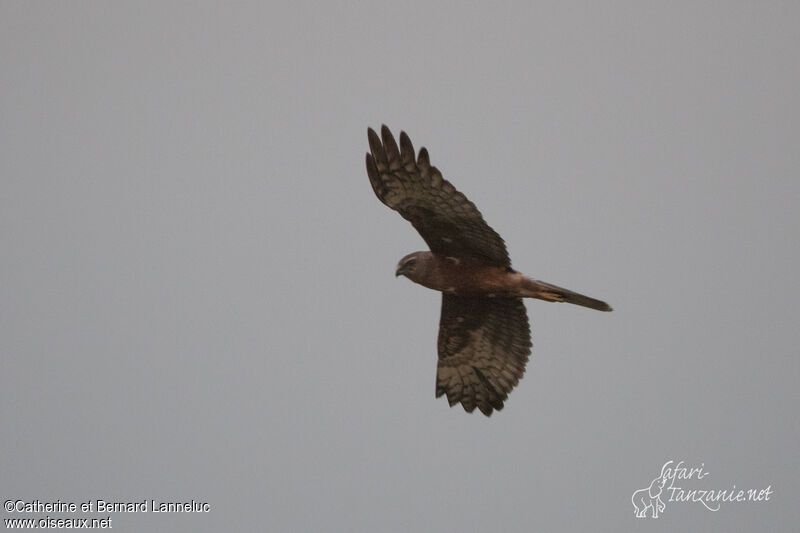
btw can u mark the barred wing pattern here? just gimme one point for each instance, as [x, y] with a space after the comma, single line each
[449, 223]
[484, 344]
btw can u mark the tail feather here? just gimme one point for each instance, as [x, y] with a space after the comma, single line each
[532, 288]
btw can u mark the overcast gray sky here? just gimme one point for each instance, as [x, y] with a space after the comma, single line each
[198, 292]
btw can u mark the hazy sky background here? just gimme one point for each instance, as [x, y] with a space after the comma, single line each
[198, 293]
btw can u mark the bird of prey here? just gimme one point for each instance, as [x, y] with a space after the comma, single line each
[484, 335]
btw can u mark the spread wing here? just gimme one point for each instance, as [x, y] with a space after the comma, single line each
[449, 223]
[484, 344]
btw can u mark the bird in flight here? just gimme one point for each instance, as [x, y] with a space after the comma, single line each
[484, 335]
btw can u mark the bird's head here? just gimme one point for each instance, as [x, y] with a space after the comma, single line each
[409, 265]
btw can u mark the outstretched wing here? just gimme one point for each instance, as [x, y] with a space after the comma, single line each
[450, 224]
[484, 344]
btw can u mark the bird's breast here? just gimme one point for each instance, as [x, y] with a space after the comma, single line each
[460, 276]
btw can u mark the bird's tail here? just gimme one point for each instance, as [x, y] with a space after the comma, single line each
[532, 288]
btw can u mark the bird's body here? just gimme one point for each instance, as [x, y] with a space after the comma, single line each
[484, 335]
[469, 277]
[460, 276]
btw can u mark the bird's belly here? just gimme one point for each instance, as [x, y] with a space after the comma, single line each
[491, 281]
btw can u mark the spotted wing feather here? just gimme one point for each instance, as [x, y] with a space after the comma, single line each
[484, 344]
[449, 223]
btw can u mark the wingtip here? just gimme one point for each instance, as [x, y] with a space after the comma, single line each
[372, 135]
[406, 148]
[597, 305]
[372, 169]
[375, 145]
[389, 144]
[423, 159]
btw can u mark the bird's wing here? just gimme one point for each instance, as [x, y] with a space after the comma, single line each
[484, 344]
[449, 223]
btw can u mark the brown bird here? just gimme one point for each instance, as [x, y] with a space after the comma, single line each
[484, 335]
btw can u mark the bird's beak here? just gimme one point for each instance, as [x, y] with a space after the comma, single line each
[398, 271]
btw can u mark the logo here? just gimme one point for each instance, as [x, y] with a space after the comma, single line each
[676, 483]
